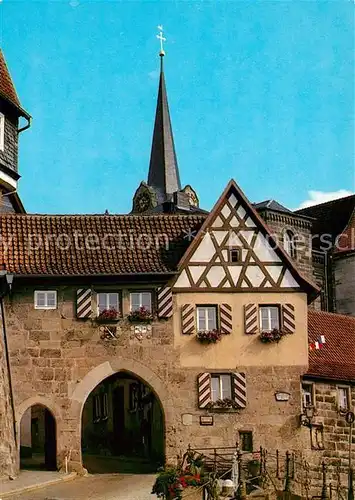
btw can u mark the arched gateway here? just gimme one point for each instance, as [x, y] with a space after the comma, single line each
[122, 421]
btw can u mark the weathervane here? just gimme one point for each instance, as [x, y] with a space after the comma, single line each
[162, 39]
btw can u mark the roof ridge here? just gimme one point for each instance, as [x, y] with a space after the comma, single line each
[313, 311]
[133, 216]
[329, 202]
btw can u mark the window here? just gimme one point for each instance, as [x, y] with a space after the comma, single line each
[221, 387]
[104, 406]
[107, 301]
[289, 243]
[206, 318]
[141, 299]
[2, 132]
[46, 299]
[307, 395]
[234, 255]
[246, 440]
[269, 318]
[343, 398]
[100, 407]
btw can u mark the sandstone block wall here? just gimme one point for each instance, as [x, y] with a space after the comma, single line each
[57, 361]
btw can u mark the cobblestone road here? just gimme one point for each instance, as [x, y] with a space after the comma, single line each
[97, 487]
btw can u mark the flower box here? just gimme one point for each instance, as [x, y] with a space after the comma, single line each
[108, 316]
[269, 337]
[141, 315]
[223, 404]
[209, 337]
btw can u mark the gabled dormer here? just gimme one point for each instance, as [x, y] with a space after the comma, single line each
[235, 251]
[11, 116]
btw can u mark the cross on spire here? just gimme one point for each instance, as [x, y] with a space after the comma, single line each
[162, 39]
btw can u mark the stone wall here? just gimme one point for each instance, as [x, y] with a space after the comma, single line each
[335, 433]
[344, 281]
[8, 455]
[58, 360]
[279, 223]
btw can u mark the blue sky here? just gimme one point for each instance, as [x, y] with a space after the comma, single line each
[259, 91]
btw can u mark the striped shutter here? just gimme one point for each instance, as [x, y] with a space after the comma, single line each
[204, 389]
[225, 318]
[239, 387]
[251, 318]
[165, 302]
[288, 318]
[83, 303]
[188, 319]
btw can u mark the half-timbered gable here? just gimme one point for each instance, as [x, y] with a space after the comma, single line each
[234, 250]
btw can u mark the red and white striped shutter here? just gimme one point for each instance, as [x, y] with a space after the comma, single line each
[165, 302]
[288, 318]
[204, 389]
[251, 319]
[225, 318]
[188, 319]
[239, 388]
[83, 303]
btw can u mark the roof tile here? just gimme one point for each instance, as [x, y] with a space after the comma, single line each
[94, 244]
[336, 359]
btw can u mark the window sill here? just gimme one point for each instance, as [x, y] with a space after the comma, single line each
[106, 321]
[222, 410]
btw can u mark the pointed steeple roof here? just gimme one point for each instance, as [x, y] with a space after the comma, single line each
[163, 168]
[7, 88]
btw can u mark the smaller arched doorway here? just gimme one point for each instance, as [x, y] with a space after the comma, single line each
[122, 427]
[38, 446]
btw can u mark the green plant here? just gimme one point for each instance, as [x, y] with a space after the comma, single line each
[141, 315]
[274, 335]
[223, 404]
[209, 337]
[167, 484]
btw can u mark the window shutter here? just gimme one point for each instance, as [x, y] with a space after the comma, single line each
[288, 318]
[225, 318]
[83, 303]
[204, 389]
[165, 302]
[251, 318]
[188, 319]
[239, 389]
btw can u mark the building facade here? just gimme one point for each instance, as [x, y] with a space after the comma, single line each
[137, 335]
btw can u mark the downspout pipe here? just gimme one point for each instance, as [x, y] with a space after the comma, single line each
[7, 356]
[28, 124]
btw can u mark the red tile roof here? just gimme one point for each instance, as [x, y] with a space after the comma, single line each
[68, 245]
[346, 241]
[7, 88]
[336, 359]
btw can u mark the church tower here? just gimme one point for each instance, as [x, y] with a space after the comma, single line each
[163, 192]
[11, 113]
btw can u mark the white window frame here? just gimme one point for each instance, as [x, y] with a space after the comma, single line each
[107, 294]
[346, 389]
[45, 306]
[220, 378]
[150, 309]
[2, 131]
[268, 308]
[310, 392]
[205, 309]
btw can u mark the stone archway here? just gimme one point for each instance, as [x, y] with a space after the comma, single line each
[37, 434]
[97, 375]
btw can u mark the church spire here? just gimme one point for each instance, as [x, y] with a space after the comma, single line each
[163, 168]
